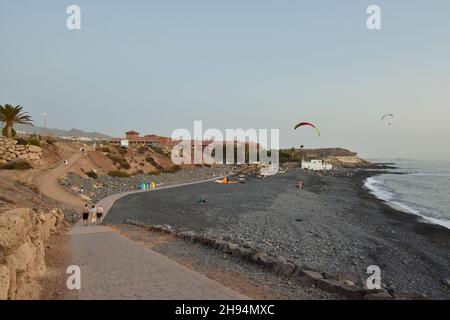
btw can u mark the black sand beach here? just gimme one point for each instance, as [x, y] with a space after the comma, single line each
[333, 225]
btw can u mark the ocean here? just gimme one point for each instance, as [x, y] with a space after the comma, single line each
[422, 189]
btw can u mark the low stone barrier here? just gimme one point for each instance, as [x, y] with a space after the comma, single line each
[10, 150]
[345, 285]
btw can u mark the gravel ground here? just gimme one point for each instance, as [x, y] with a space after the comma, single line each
[104, 186]
[332, 225]
[246, 278]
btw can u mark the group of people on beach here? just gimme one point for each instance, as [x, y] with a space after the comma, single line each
[95, 213]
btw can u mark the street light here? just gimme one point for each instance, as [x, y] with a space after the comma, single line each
[45, 123]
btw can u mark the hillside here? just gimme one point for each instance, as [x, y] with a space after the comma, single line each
[76, 133]
[338, 157]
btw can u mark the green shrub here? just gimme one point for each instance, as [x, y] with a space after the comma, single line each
[154, 172]
[92, 174]
[286, 155]
[35, 142]
[118, 159]
[22, 141]
[122, 151]
[159, 149]
[172, 169]
[105, 149]
[125, 165]
[142, 149]
[119, 174]
[50, 141]
[17, 165]
[153, 162]
[4, 132]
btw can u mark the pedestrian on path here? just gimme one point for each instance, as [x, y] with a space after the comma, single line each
[94, 215]
[99, 214]
[85, 214]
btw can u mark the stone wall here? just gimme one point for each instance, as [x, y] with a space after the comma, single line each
[22, 251]
[10, 150]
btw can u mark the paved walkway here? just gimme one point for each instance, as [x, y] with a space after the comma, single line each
[114, 267]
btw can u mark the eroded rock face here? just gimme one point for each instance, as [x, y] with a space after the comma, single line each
[5, 280]
[22, 236]
[14, 225]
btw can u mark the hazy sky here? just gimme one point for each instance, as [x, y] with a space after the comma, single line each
[155, 66]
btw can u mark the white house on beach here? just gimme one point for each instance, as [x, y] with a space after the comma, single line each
[316, 165]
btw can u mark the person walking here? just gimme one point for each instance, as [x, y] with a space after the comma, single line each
[99, 214]
[85, 214]
[94, 215]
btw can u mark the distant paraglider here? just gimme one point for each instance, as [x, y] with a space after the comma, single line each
[301, 124]
[389, 115]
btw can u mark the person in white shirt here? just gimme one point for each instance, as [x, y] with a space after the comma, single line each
[99, 214]
[94, 215]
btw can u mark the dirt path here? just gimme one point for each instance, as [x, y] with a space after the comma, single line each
[48, 184]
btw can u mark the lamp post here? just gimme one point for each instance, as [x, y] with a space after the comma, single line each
[45, 123]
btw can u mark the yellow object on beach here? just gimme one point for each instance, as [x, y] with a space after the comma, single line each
[225, 181]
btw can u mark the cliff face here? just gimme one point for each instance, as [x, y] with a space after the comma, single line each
[338, 157]
[347, 162]
[22, 250]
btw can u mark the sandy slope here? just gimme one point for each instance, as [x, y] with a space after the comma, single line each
[48, 184]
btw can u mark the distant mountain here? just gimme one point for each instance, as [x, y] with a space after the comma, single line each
[62, 133]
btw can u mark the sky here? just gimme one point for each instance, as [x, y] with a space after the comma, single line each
[155, 66]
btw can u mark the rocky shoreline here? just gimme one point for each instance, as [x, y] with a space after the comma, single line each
[344, 285]
[333, 225]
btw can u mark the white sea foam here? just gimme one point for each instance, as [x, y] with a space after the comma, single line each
[379, 190]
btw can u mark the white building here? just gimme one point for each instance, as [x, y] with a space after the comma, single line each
[124, 143]
[269, 170]
[316, 165]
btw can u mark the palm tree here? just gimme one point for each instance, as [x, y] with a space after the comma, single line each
[10, 115]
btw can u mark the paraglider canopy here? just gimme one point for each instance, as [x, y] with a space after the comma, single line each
[301, 124]
[386, 116]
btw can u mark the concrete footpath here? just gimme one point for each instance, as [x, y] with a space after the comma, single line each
[114, 267]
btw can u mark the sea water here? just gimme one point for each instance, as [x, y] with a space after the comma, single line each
[422, 188]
